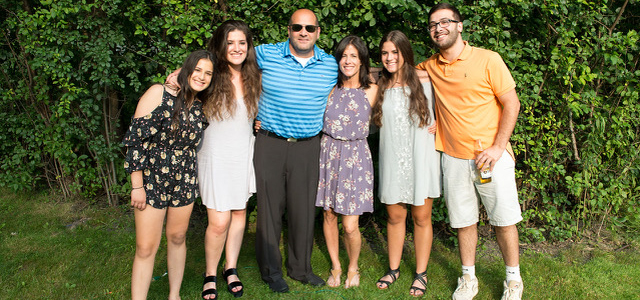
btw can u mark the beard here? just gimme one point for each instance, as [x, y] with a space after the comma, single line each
[451, 38]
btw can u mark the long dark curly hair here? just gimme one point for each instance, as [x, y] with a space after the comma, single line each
[222, 103]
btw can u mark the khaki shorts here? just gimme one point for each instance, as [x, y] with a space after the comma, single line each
[462, 194]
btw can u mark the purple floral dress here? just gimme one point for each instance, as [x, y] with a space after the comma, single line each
[346, 169]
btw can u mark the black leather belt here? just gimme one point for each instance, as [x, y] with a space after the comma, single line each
[292, 140]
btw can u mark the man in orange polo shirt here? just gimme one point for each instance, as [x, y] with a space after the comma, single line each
[475, 99]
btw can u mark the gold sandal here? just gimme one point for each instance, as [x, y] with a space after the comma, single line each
[335, 274]
[351, 275]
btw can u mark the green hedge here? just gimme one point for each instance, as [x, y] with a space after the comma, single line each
[72, 72]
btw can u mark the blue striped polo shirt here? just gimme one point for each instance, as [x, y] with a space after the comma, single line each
[294, 97]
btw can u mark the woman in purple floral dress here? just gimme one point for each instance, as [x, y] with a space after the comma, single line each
[346, 170]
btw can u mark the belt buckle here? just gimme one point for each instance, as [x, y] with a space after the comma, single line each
[292, 140]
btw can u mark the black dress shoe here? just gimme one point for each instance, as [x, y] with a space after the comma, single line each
[311, 279]
[279, 286]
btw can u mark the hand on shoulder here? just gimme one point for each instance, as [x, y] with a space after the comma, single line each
[171, 84]
[374, 74]
[423, 75]
[151, 99]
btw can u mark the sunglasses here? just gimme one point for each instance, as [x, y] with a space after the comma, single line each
[308, 28]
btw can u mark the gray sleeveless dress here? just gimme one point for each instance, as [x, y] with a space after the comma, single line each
[409, 164]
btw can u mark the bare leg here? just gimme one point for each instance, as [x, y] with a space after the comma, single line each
[214, 239]
[332, 236]
[423, 234]
[423, 238]
[353, 243]
[176, 231]
[234, 242]
[148, 235]
[468, 240]
[396, 230]
[508, 241]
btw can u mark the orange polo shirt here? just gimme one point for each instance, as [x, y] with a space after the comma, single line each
[467, 105]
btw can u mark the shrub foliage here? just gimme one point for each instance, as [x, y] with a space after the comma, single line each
[72, 72]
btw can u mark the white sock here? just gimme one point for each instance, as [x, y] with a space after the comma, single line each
[471, 271]
[513, 273]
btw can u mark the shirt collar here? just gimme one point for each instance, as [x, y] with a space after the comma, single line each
[464, 55]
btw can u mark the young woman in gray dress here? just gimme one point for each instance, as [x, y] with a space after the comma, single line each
[346, 171]
[409, 165]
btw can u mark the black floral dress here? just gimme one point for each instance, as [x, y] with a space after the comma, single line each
[167, 158]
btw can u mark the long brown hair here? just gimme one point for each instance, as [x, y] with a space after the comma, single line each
[186, 95]
[222, 103]
[418, 106]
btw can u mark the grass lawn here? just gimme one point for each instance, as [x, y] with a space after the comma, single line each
[62, 250]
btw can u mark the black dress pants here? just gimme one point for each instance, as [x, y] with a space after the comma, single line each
[286, 177]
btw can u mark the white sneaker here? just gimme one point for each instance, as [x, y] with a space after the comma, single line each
[513, 290]
[467, 288]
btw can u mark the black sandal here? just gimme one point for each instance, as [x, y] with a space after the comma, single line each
[420, 278]
[394, 276]
[231, 286]
[207, 292]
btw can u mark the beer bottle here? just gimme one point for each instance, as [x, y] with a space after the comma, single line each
[483, 174]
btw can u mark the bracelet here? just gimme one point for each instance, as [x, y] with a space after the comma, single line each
[137, 188]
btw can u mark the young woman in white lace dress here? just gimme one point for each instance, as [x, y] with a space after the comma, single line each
[409, 165]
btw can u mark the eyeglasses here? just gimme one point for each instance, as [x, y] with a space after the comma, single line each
[444, 23]
[308, 28]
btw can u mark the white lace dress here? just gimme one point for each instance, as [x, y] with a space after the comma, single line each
[409, 165]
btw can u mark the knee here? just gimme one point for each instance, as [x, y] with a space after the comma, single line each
[422, 221]
[471, 230]
[239, 215]
[395, 219]
[217, 227]
[506, 230]
[351, 229]
[238, 220]
[177, 238]
[330, 217]
[145, 251]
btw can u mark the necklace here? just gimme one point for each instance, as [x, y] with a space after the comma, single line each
[396, 82]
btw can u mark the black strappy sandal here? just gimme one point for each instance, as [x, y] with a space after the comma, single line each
[207, 292]
[394, 276]
[231, 286]
[420, 278]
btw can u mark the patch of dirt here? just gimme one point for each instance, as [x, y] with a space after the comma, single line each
[586, 244]
[77, 223]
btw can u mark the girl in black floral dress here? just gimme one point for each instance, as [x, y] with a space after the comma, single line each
[161, 157]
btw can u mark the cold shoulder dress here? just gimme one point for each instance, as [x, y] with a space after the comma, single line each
[225, 161]
[166, 158]
[409, 164]
[346, 170]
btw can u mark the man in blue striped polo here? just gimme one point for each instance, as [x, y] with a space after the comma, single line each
[297, 78]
